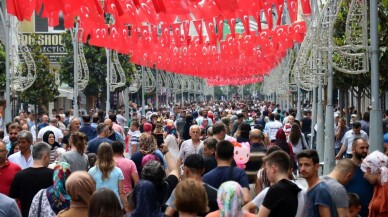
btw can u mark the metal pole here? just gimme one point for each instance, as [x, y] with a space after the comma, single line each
[126, 103]
[157, 89]
[6, 24]
[76, 66]
[142, 91]
[376, 130]
[329, 156]
[108, 65]
[299, 106]
[313, 118]
[321, 131]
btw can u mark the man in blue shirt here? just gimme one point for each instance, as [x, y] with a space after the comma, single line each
[93, 144]
[319, 201]
[89, 131]
[358, 184]
[225, 171]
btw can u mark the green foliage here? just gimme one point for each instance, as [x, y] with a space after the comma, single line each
[44, 89]
[2, 68]
[96, 60]
[362, 82]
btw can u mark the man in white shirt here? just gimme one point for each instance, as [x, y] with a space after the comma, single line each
[272, 127]
[348, 139]
[23, 158]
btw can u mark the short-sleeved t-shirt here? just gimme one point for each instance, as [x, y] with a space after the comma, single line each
[111, 183]
[337, 191]
[95, 143]
[128, 168]
[282, 199]
[75, 160]
[319, 195]
[359, 185]
[27, 183]
[219, 175]
[8, 172]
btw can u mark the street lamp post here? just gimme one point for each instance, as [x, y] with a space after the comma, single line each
[376, 130]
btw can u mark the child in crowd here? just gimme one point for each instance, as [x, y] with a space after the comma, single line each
[354, 204]
[209, 150]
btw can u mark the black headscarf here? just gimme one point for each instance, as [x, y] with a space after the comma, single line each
[45, 139]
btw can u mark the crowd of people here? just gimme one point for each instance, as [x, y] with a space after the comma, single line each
[189, 160]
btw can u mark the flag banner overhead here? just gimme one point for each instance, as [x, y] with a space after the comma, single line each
[226, 42]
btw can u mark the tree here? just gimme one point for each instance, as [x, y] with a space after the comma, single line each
[44, 89]
[359, 85]
[96, 61]
[2, 67]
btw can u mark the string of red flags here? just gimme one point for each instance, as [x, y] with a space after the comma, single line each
[227, 42]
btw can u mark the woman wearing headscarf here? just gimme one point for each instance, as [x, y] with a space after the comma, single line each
[230, 201]
[80, 187]
[281, 141]
[145, 201]
[48, 202]
[49, 138]
[375, 168]
[186, 127]
[148, 146]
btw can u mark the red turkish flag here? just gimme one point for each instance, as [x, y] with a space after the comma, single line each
[249, 5]
[257, 18]
[147, 10]
[209, 9]
[268, 15]
[280, 7]
[209, 23]
[306, 8]
[22, 9]
[176, 32]
[68, 21]
[232, 26]
[298, 31]
[198, 27]
[165, 39]
[227, 5]
[195, 9]
[245, 21]
[130, 15]
[186, 30]
[171, 6]
[293, 9]
[53, 18]
[154, 35]
[98, 7]
[220, 27]
[97, 36]
[113, 39]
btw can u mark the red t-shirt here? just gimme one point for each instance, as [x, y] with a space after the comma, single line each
[7, 173]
